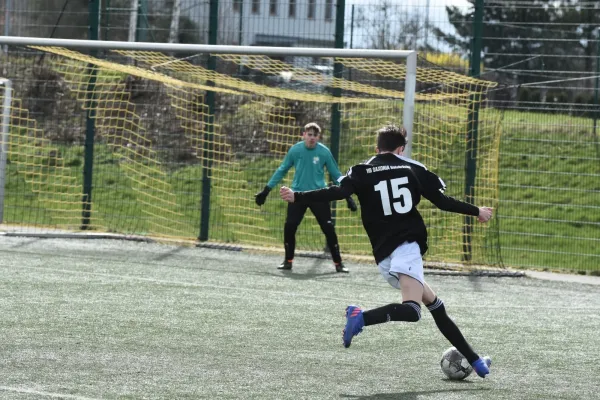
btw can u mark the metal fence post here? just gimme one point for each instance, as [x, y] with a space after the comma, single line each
[7, 9]
[90, 119]
[351, 38]
[597, 85]
[142, 21]
[209, 120]
[338, 69]
[472, 128]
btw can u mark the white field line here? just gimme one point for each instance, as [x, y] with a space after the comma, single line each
[44, 394]
[536, 306]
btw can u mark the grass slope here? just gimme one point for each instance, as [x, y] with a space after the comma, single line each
[548, 214]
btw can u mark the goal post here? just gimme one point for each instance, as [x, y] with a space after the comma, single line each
[157, 136]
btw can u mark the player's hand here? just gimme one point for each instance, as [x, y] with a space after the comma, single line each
[485, 213]
[287, 194]
[351, 204]
[261, 197]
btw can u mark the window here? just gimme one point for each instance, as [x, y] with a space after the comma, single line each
[255, 6]
[311, 8]
[292, 12]
[273, 7]
[237, 5]
[328, 10]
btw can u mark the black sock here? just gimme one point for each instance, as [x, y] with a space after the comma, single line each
[450, 330]
[408, 311]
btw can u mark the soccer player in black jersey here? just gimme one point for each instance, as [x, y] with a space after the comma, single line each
[389, 188]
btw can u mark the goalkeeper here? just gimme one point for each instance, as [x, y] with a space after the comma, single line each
[308, 158]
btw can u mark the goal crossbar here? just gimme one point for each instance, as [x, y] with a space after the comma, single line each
[207, 48]
[410, 56]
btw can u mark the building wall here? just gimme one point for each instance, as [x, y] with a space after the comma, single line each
[263, 25]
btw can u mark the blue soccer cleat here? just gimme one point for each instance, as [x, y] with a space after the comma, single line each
[354, 324]
[482, 366]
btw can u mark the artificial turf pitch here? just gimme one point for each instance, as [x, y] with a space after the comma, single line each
[107, 319]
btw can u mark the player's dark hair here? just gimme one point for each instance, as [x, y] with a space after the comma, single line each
[313, 126]
[390, 137]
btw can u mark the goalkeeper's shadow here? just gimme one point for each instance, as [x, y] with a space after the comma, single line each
[306, 274]
[302, 275]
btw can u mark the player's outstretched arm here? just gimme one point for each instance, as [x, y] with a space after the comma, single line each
[286, 164]
[450, 204]
[327, 194]
[349, 201]
[433, 188]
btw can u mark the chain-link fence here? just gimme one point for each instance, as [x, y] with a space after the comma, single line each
[545, 55]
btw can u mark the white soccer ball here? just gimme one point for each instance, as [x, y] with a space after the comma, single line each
[455, 365]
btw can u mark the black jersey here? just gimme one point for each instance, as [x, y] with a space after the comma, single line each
[389, 188]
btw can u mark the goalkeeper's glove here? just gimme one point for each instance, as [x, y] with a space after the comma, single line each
[261, 197]
[351, 204]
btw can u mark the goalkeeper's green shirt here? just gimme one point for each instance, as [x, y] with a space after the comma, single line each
[308, 164]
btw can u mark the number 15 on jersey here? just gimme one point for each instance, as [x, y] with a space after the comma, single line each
[400, 193]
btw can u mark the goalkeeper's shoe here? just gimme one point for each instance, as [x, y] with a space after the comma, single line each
[354, 324]
[285, 265]
[482, 366]
[341, 268]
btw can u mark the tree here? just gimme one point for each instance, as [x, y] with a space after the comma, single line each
[133, 18]
[174, 29]
[517, 36]
[390, 26]
[69, 19]
[57, 18]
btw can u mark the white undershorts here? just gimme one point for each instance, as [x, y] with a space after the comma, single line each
[407, 260]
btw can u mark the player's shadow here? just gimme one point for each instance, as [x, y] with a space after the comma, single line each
[409, 395]
[311, 273]
[27, 243]
[168, 254]
[303, 276]
[475, 283]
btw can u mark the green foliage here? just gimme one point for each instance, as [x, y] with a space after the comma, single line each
[450, 61]
[72, 23]
[517, 33]
[524, 96]
[584, 98]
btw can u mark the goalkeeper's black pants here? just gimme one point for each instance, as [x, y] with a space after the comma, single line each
[322, 212]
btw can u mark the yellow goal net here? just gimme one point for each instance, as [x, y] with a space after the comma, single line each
[178, 149]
